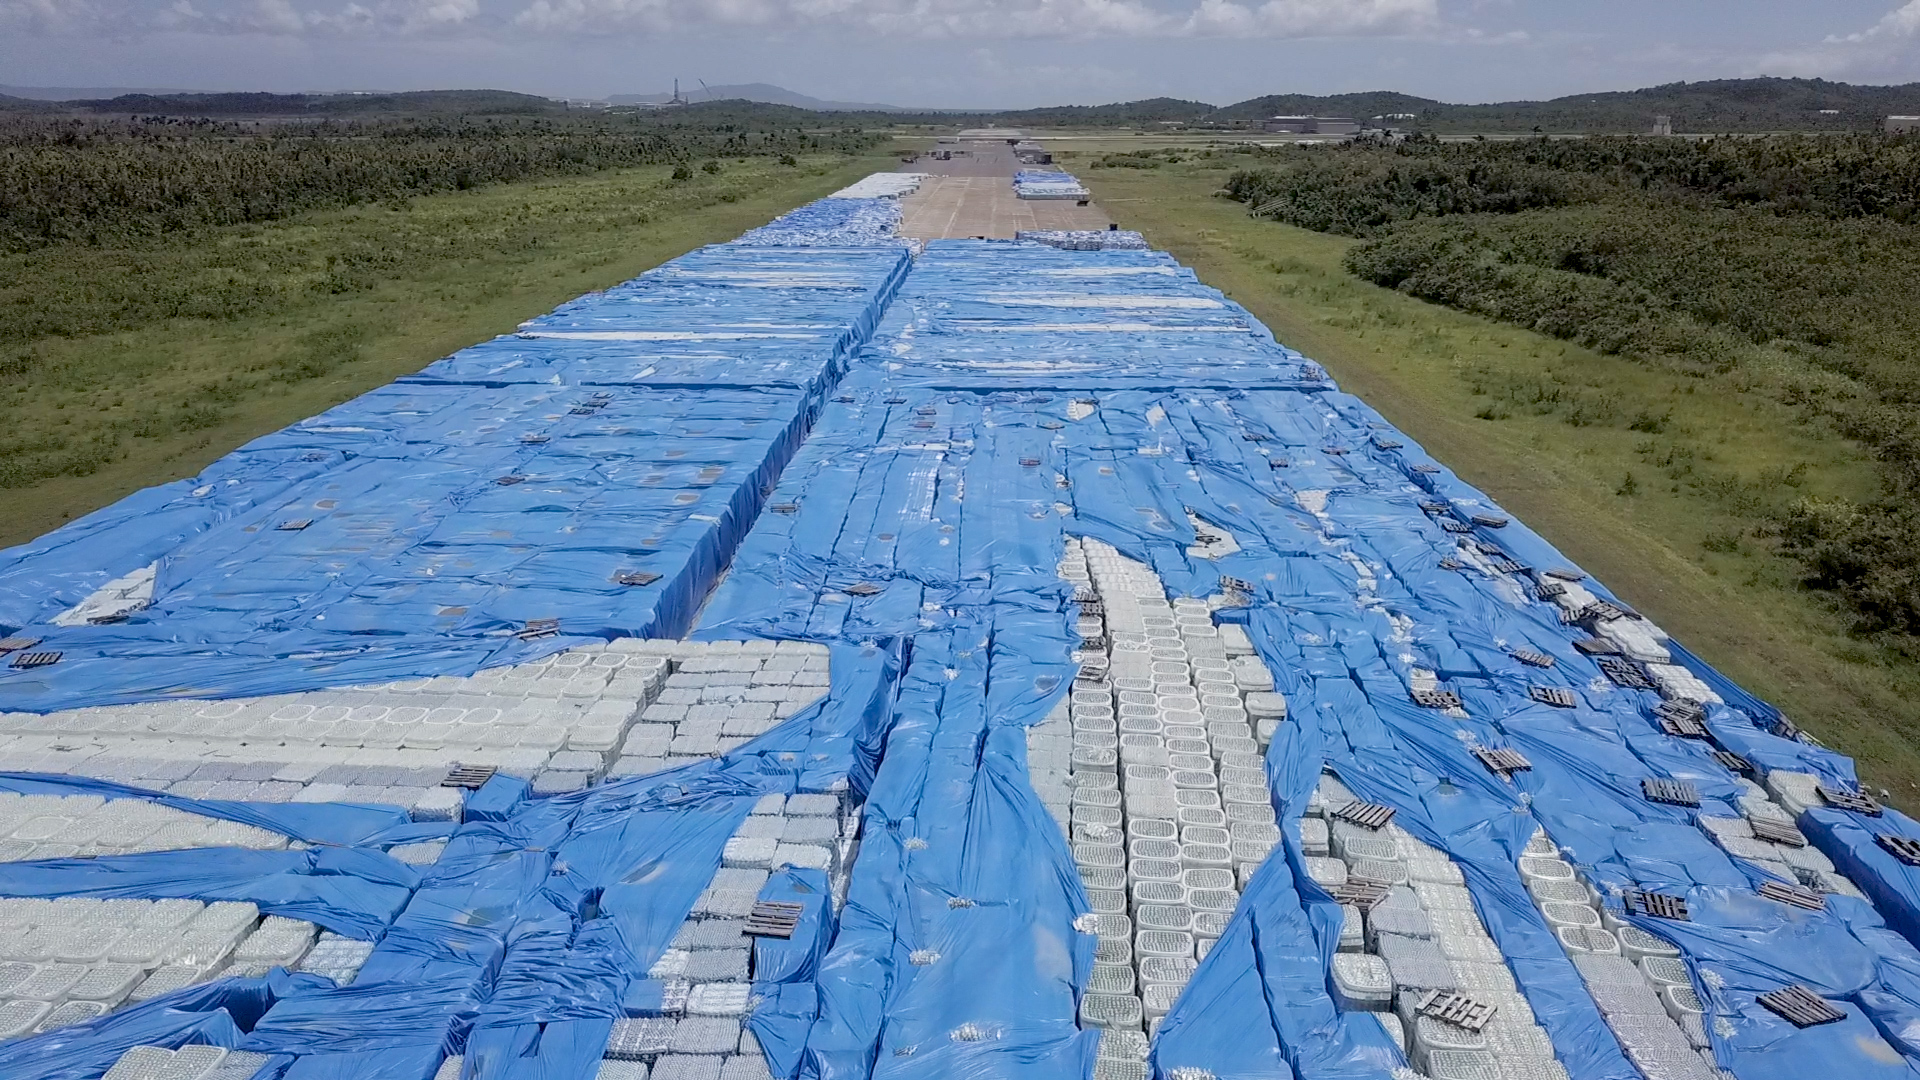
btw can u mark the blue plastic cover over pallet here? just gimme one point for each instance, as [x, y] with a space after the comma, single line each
[1011, 397]
[629, 431]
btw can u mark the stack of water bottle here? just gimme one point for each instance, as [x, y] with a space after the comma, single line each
[82, 826]
[882, 185]
[1418, 957]
[1643, 986]
[697, 1031]
[73, 959]
[564, 721]
[1085, 239]
[841, 221]
[1048, 184]
[1154, 769]
[196, 1061]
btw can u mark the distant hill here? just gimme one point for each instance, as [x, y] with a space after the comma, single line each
[1363, 105]
[1149, 111]
[765, 93]
[236, 104]
[81, 93]
[1721, 105]
[761, 116]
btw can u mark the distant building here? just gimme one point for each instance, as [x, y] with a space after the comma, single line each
[1903, 125]
[1663, 125]
[1829, 112]
[1311, 125]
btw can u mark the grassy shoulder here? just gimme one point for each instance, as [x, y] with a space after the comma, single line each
[177, 351]
[1646, 477]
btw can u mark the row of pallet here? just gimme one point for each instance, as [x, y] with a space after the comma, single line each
[1016, 398]
[388, 688]
[1079, 684]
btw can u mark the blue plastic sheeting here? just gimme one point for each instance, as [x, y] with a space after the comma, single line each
[347, 890]
[994, 316]
[1014, 395]
[957, 953]
[955, 504]
[948, 468]
[413, 530]
[520, 945]
[1343, 639]
[785, 969]
[345, 883]
[1258, 1005]
[721, 316]
[831, 222]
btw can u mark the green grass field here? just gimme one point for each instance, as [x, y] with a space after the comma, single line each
[123, 367]
[1632, 471]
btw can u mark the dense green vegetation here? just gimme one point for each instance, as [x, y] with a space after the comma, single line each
[1370, 186]
[94, 181]
[1778, 267]
[419, 102]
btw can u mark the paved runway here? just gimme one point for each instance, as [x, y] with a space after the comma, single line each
[972, 195]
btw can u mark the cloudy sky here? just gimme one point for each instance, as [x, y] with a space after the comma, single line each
[955, 53]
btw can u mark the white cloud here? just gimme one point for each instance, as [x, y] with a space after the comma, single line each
[899, 19]
[1000, 18]
[1304, 18]
[1883, 50]
[1902, 22]
[271, 17]
[49, 16]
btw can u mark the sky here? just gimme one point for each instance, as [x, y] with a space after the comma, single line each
[956, 53]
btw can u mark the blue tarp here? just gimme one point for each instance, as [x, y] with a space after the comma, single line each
[1012, 396]
[831, 222]
[667, 407]
[413, 530]
[522, 943]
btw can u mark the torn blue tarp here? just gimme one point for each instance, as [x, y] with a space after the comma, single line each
[215, 1014]
[1013, 396]
[957, 949]
[785, 968]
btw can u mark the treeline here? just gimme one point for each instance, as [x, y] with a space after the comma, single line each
[1786, 264]
[1361, 188]
[96, 182]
